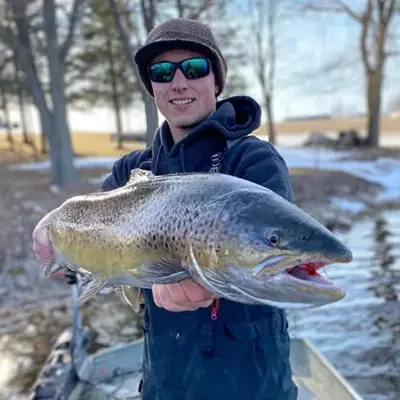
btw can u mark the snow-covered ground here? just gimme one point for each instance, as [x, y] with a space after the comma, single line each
[385, 171]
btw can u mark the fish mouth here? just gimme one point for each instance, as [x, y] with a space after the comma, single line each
[308, 277]
[308, 273]
[305, 276]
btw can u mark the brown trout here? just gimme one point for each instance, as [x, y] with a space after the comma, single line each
[236, 238]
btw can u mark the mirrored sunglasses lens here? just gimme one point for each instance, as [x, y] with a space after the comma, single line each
[162, 72]
[195, 68]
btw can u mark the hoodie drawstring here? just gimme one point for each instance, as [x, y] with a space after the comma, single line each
[157, 160]
[182, 156]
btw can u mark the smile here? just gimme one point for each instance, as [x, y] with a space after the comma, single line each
[182, 102]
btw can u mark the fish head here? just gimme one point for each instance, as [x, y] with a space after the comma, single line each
[273, 251]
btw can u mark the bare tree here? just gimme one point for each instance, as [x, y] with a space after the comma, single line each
[148, 11]
[375, 20]
[5, 90]
[21, 92]
[263, 26]
[151, 12]
[50, 102]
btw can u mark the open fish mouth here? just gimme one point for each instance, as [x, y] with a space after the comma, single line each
[306, 278]
[308, 273]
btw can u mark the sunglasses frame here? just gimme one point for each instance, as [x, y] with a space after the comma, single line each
[178, 65]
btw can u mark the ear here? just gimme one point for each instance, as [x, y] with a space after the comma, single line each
[216, 89]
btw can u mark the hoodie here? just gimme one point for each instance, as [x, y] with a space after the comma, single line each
[244, 353]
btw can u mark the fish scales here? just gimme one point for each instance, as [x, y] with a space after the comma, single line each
[154, 224]
[236, 238]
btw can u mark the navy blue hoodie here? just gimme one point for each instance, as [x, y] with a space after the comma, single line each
[244, 353]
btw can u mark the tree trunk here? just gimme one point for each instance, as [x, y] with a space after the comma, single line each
[374, 103]
[149, 103]
[118, 119]
[151, 118]
[64, 170]
[47, 131]
[115, 95]
[7, 122]
[21, 104]
[270, 116]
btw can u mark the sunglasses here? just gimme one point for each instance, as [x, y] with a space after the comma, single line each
[192, 68]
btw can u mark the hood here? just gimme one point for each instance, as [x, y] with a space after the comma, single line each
[234, 118]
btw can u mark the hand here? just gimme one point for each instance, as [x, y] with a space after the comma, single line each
[185, 295]
[41, 241]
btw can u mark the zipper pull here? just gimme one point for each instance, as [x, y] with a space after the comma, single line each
[214, 311]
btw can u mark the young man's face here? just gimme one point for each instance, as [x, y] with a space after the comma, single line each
[201, 92]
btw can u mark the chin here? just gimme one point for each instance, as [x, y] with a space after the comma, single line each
[190, 124]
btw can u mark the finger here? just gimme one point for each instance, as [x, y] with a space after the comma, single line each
[156, 296]
[195, 292]
[205, 304]
[178, 294]
[163, 300]
[170, 304]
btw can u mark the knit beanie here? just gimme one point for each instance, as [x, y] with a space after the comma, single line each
[181, 33]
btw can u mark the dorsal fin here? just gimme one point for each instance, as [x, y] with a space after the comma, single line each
[139, 175]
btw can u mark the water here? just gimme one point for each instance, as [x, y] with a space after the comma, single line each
[360, 335]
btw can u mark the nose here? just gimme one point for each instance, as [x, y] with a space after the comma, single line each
[179, 82]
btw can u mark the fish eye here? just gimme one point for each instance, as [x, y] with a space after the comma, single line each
[273, 238]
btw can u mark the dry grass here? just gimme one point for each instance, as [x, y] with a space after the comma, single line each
[388, 126]
[92, 144]
[84, 144]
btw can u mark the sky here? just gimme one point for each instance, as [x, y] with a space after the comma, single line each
[305, 45]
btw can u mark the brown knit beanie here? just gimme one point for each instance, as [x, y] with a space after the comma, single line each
[181, 33]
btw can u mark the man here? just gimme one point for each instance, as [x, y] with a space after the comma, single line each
[198, 347]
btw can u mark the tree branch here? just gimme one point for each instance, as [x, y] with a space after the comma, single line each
[202, 8]
[180, 8]
[366, 20]
[21, 44]
[75, 16]
[129, 50]
[337, 6]
[346, 8]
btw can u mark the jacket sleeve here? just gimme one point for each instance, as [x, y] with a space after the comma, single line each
[258, 161]
[121, 171]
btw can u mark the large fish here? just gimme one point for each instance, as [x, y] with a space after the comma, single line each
[236, 238]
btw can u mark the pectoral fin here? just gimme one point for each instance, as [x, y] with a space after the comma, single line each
[92, 287]
[160, 272]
